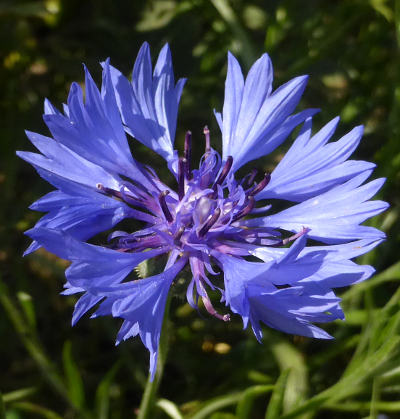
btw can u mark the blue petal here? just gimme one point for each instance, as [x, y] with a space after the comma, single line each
[275, 311]
[311, 166]
[149, 106]
[252, 289]
[92, 266]
[104, 143]
[238, 273]
[329, 266]
[83, 221]
[79, 210]
[251, 292]
[141, 304]
[61, 161]
[50, 109]
[252, 116]
[234, 85]
[334, 216]
[83, 305]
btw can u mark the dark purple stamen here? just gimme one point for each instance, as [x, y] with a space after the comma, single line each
[119, 195]
[181, 177]
[212, 219]
[210, 308]
[208, 304]
[258, 188]
[246, 210]
[109, 191]
[178, 235]
[284, 242]
[164, 206]
[188, 154]
[225, 170]
[206, 133]
[139, 243]
[252, 176]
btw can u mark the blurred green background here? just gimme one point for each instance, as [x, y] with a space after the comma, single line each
[350, 49]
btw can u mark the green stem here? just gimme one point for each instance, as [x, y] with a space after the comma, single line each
[148, 400]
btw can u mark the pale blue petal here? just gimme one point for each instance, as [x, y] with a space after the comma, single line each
[149, 105]
[311, 166]
[329, 266]
[254, 120]
[104, 143]
[141, 303]
[251, 291]
[61, 161]
[334, 216]
[233, 98]
[92, 265]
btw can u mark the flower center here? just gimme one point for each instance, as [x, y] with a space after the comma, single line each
[203, 218]
[209, 199]
[206, 209]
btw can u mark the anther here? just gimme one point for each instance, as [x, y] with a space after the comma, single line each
[303, 231]
[225, 170]
[188, 154]
[206, 133]
[246, 210]
[212, 219]
[164, 206]
[252, 176]
[109, 191]
[178, 235]
[209, 307]
[261, 185]
[181, 177]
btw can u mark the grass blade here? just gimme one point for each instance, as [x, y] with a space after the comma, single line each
[73, 376]
[245, 404]
[275, 405]
[170, 408]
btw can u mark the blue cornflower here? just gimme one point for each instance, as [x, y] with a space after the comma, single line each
[270, 275]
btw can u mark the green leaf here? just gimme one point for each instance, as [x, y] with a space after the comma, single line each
[73, 376]
[258, 377]
[170, 408]
[31, 342]
[213, 405]
[381, 7]
[376, 393]
[2, 409]
[364, 407]
[17, 395]
[245, 405]
[36, 410]
[275, 405]
[222, 415]
[290, 358]
[37, 9]
[26, 303]
[390, 274]
[102, 399]
[159, 14]
[243, 45]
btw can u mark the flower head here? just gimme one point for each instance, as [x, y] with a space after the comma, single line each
[212, 219]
